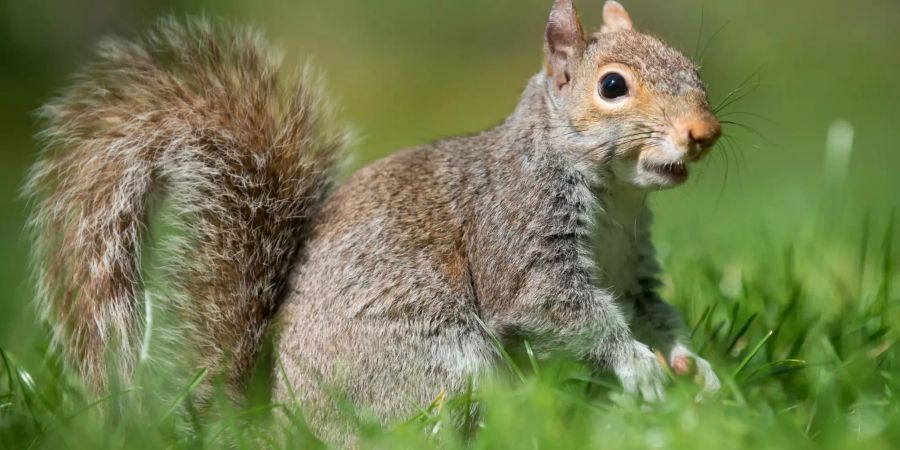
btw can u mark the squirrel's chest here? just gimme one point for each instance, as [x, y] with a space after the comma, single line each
[614, 242]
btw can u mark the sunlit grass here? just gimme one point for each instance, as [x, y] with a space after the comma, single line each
[804, 341]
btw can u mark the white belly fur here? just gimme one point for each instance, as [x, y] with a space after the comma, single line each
[617, 228]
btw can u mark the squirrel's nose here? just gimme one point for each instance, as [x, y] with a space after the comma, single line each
[698, 134]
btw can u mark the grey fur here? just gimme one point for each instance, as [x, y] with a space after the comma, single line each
[538, 226]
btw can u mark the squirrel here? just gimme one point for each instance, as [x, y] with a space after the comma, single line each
[390, 286]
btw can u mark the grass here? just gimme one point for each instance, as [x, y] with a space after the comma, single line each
[803, 338]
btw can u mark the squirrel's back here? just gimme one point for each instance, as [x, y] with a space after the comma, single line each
[196, 113]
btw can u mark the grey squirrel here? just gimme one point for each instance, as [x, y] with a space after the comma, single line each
[537, 227]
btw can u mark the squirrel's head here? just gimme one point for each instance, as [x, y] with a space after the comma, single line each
[626, 98]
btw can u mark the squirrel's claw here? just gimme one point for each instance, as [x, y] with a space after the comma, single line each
[680, 361]
[639, 372]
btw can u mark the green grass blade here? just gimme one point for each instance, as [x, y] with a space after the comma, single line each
[468, 404]
[701, 321]
[287, 383]
[733, 319]
[887, 266]
[102, 400]
[775, 364]
[9, 372]
[740, 368]
[501, 349]
[741, 332]
[532, 358]
[183, 395]
[863, 250]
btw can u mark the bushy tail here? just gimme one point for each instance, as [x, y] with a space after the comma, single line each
[195, 113]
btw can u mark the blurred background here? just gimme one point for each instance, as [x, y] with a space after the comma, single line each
[812, 154]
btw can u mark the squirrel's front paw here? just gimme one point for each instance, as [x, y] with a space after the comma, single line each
[639, 371]
[680, 360]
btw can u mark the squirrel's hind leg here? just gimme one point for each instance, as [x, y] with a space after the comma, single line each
[346, 372]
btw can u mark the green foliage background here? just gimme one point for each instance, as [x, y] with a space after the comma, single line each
[764, 231]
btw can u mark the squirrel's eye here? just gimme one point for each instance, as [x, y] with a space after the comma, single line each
[613, 86]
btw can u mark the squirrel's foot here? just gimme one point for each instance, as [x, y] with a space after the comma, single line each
[680, 361]
[640, 372]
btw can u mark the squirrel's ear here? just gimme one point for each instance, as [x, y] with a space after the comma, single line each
[564, 41]
[615, 18]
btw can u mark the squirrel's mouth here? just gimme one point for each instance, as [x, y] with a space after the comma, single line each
[674, 172]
